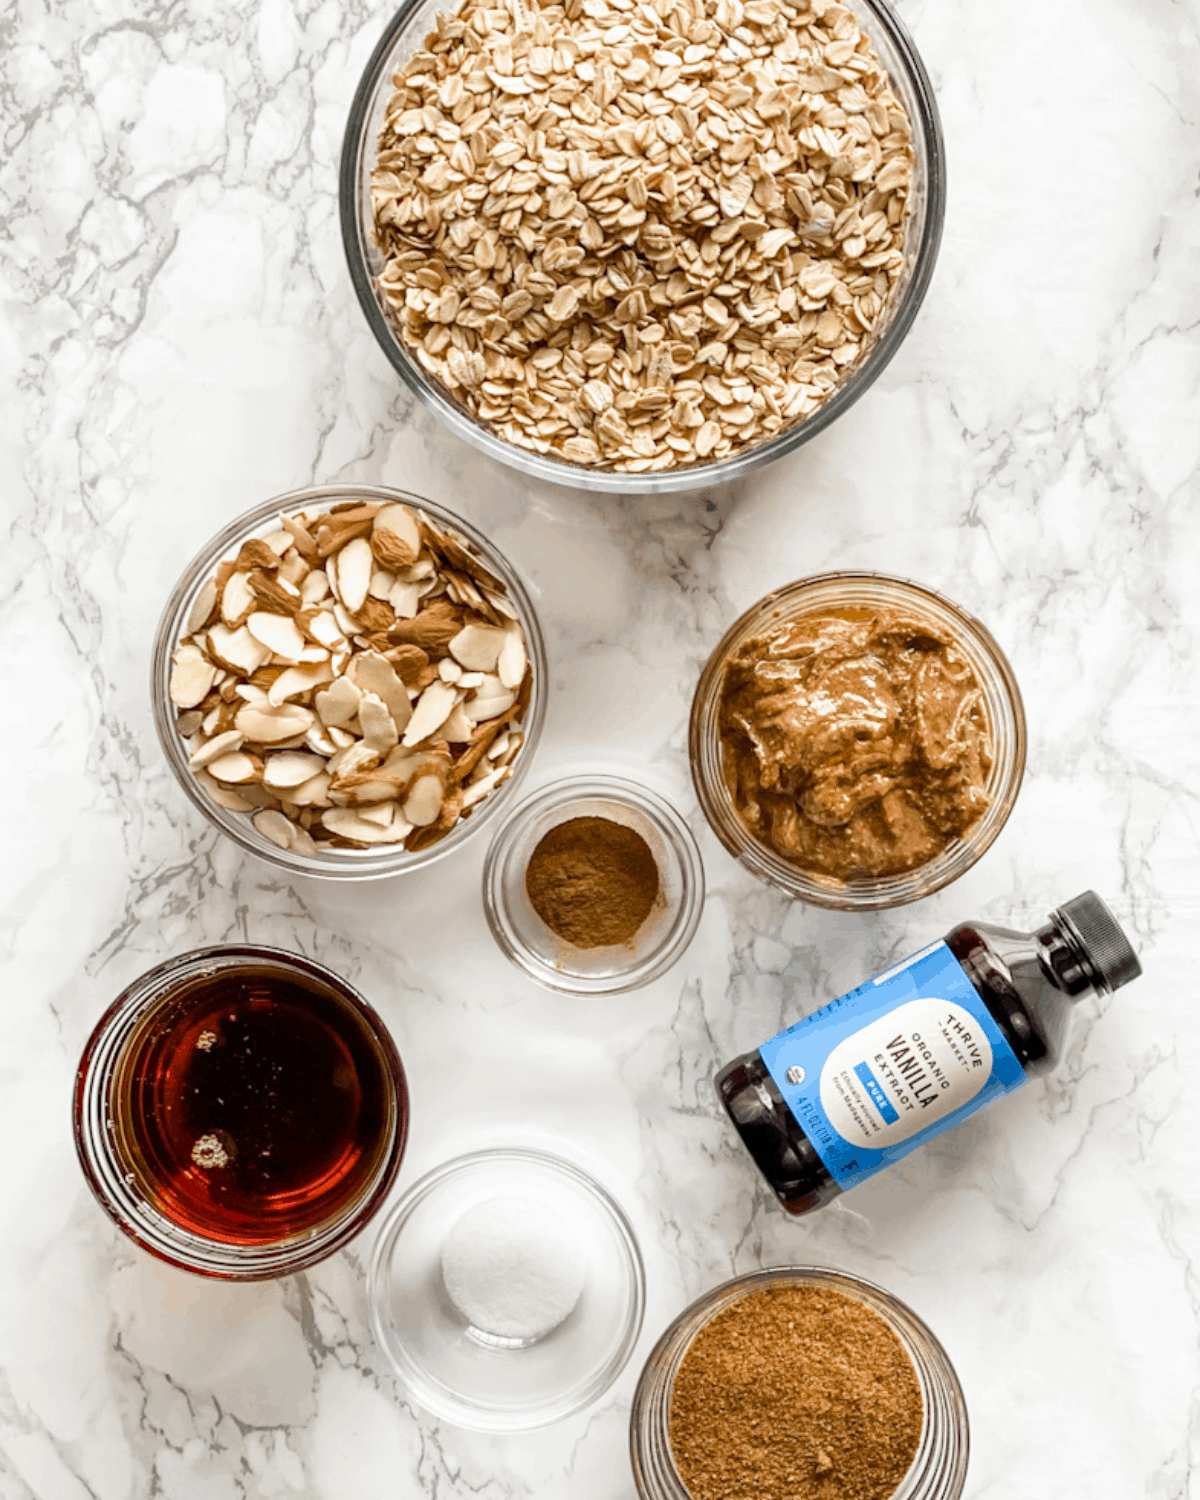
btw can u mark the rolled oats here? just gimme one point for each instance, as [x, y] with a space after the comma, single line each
[586, 209]
[310, 701]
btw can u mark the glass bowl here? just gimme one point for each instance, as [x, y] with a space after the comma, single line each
[608, 970]
[1002, 700]
[460, 1374]
[405, 34]
[939, 1469]
[345, 864]
[109, 1083]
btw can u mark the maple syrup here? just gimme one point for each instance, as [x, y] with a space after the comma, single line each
[257, 1102]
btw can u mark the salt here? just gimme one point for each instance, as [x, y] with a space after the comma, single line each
[512, 1269]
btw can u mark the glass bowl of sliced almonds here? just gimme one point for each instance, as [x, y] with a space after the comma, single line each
[349, 681]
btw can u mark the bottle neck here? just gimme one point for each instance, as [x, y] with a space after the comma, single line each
[1066, 961]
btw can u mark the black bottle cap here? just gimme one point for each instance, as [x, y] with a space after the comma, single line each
[1099, 934]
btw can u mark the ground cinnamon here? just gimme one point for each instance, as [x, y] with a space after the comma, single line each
[592, 881]
[795, 1393]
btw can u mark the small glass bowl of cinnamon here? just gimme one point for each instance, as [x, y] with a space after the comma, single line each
[593, 886]
[857, 740]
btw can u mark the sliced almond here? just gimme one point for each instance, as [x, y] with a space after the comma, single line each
[303, 841]
[332, 537]
[424, 801]
[312, 793]
[355, 757]
[273, 592]
[278, 633]
[383, 814]
[409, 662]
[510, 665]
[301, 535]
[258, 552]
[222, 744]
[405, 599]
[293, 681]
[365, 792]
[237, 600]
[322, 627]
[202, 608]
[236, 768]
[438, 623]
[371, 672]
[275, 826]
[315, 587]
[431, 712]
[349, 625]
[478, 790]
[378, 726]
[354, 567]
[192, 676]
[224, 796]
[396, 536]
[458, 728]
[347, 824]
[290, 769]
[267, 726]
[477, 647]
[237, 649]
[294, 569]
[488, 701]
[338, 704]
[318, 741]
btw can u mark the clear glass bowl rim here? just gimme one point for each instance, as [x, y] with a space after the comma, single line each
[402, 1210]
[343, 864]
[127, 1208]
[927, 129]
[939, 1469]
[675, 832]
[704, 752]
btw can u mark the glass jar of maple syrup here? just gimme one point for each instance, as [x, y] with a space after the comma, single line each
[240, 1112]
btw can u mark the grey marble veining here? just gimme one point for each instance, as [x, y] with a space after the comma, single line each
[180, 341]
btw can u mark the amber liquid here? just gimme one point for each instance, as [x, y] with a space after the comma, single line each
[257, 1106]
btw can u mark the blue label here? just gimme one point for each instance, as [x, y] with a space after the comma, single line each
[875, 1074]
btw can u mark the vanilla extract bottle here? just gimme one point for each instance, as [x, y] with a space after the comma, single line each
[872, 1076]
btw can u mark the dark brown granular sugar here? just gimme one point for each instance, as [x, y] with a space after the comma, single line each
[795, 1393]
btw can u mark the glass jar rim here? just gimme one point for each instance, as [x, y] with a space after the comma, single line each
[939, 1467]
[381, 861]
[926, 125]
[1006, 712]
[113, 1187]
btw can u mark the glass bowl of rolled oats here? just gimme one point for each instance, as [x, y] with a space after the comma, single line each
[637, 247]
[349, 681]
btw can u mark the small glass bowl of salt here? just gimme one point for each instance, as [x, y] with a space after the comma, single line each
[507, 1290]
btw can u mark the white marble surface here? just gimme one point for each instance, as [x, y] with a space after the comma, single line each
[180, 341]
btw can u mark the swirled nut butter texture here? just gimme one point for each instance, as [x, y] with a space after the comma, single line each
[855, 743]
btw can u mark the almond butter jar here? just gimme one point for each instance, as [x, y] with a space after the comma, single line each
[857, 740]
[298, 672]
